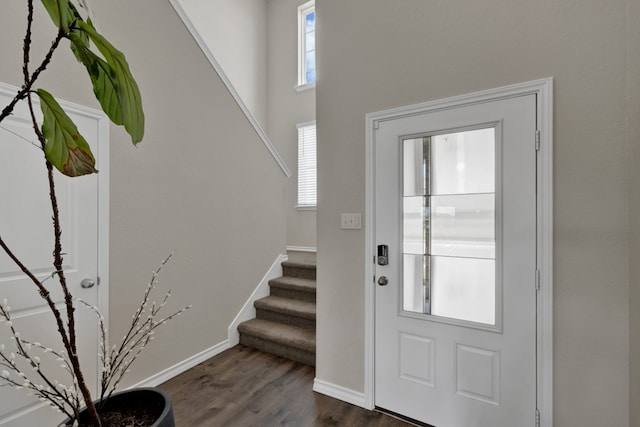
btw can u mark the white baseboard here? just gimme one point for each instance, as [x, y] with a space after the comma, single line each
[340, 393]
[248, 311]
[185, 365]
[302, 249]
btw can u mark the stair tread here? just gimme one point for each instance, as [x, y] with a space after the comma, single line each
[293, 336]
[288, 306]
[299, 264]
[296, 283]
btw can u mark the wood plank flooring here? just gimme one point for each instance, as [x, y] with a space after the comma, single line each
[248, 388]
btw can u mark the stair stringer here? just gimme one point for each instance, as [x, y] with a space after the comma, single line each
[248, 311]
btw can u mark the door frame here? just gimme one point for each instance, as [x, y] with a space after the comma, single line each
[543, 89]
[101, 151]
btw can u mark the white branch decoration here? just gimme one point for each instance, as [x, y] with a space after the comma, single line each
[115, 361]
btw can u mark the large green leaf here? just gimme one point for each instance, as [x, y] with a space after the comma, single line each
[66, 16]
[112, 80]
[65, 148]
[61, 12]
[118, 81]
[103, 77]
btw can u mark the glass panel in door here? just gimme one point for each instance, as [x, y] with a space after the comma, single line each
[449, 244]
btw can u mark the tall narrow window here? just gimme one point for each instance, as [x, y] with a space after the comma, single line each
[307, 166]
[306, 45]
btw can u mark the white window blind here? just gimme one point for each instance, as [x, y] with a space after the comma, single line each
[307, 166]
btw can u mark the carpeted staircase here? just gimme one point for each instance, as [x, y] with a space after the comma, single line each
[285, 322]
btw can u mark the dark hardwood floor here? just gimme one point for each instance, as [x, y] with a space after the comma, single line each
[246, 387]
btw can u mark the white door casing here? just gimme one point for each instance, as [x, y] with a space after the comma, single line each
[471, 346]
[25, 224]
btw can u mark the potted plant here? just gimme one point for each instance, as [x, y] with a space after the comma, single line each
[64, 149]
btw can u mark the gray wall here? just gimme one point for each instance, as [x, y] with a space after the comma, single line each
[288, 108]
[204, 187]
[235, 31]
[633, 121]
[256, 44]
[201, 184]
[176, 192]
[376, 54]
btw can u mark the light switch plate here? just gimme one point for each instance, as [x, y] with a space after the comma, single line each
[351, 221]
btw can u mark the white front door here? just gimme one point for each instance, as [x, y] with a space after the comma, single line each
[455, 300]
[26, 227]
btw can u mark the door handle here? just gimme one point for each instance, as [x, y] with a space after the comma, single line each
[87, 283]
[383, 281]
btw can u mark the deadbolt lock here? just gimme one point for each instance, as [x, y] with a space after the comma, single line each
[383, 255]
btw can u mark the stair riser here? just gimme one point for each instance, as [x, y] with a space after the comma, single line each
[292, 294]
[278, 349]
[303, 273]
[286, 319]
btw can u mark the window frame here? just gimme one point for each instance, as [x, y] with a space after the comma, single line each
[302, 178]
[303, 11]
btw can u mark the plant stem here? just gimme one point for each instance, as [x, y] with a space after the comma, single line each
[22, 94]
[68, 299]
[69, 340]
[69, 336]
[44, 292]
[27, 41]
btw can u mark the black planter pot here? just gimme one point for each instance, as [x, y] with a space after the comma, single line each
[149, 399]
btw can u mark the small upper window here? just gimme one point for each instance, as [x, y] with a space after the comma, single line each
[307, 44]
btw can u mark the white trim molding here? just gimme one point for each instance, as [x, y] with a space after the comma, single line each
[103, 165]
[183, 366]
[543, 90]
[232, 90]
[305, 87]
[248, 311]
[338, 392]
[545, 252]
[302, 249]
